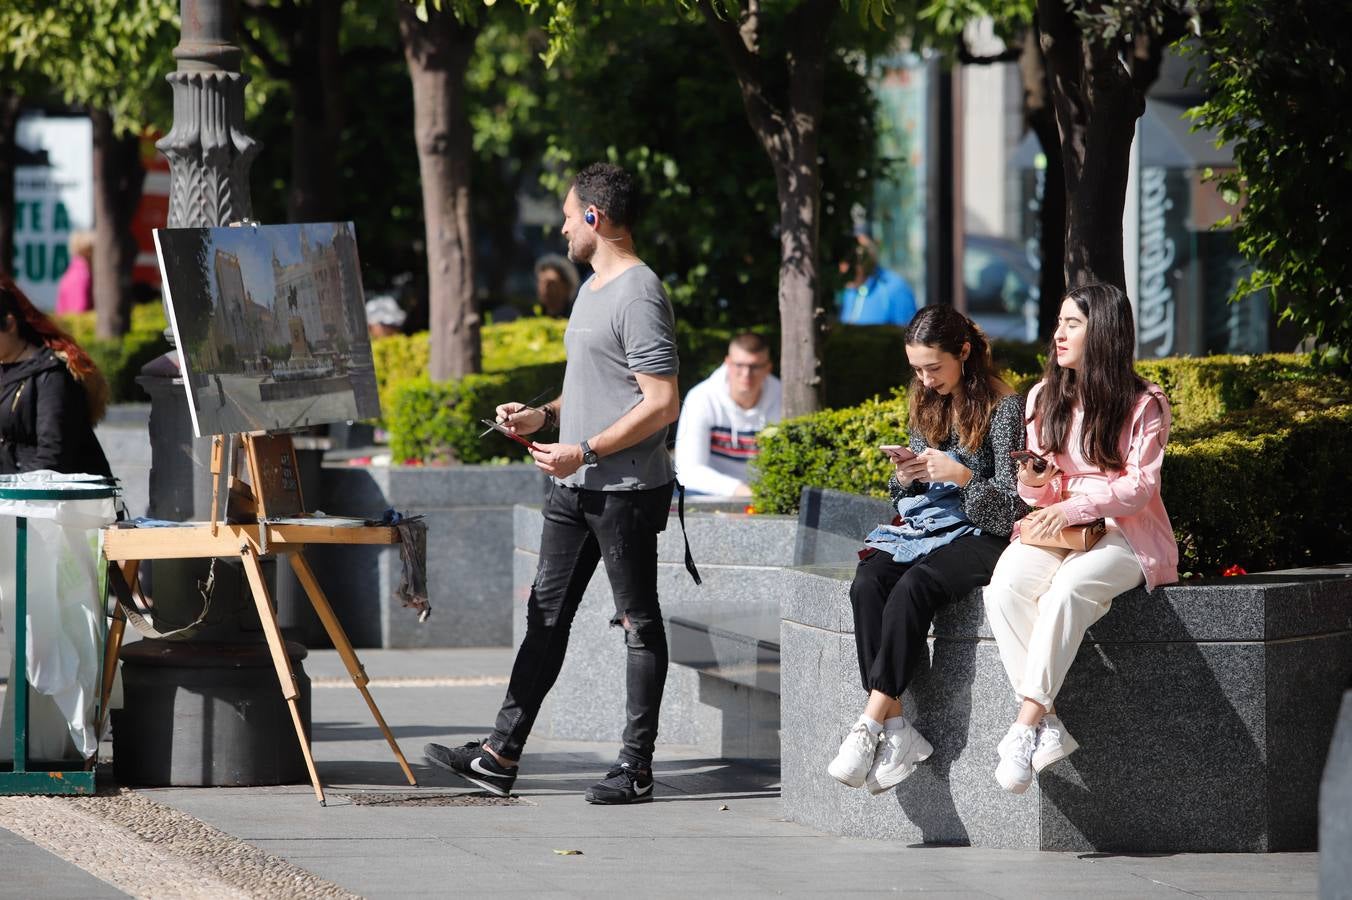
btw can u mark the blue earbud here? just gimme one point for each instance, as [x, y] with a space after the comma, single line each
[589, 217]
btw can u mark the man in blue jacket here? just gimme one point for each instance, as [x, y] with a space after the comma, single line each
[874, 295]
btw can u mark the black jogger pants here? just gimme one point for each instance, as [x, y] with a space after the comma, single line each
[894, 604]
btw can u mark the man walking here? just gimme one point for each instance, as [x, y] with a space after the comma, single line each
[609, 493]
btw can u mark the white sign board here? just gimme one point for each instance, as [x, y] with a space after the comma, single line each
[53, 196]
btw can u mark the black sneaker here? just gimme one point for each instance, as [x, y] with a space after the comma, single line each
[474, 764]
[622, 784]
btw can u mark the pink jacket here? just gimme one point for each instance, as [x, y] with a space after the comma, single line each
[1130, 498]
[74, 290]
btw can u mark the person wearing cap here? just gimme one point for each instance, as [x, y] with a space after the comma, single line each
[556, 281]
[873, 295]
[384, 317]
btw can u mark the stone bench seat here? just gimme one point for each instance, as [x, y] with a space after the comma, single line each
[1204, 712]
[740, 645]
[722, 691]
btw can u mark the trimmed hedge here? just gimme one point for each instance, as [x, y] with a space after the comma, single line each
[1255, 474]
[860, 363]
[121, 359]
[1264, 500]
[439, 422]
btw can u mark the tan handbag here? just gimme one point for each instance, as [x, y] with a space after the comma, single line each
[1072, 537]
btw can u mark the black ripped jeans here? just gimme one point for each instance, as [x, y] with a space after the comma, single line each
[581, 528]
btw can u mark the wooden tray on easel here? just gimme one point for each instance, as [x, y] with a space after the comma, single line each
[264, 516]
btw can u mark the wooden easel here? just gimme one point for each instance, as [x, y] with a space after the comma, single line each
[273, 492]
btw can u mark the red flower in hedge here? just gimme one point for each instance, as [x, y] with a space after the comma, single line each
[1234, 570]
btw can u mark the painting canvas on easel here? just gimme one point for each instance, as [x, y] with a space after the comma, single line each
[270, 323]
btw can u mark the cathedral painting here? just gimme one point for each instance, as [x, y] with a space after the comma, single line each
[270, 325]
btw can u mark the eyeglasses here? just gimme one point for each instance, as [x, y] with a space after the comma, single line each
[748, 367]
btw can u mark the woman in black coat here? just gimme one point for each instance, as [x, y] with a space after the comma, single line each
[51, 394]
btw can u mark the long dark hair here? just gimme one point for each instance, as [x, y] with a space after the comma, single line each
[36, 328]
[1105, 384]
[934, 416]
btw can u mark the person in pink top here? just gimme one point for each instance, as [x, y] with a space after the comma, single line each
[75, 290]
[1103, 430]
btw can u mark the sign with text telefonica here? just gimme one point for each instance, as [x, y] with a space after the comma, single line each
[53, 196]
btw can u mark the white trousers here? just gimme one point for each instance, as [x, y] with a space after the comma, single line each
[1041, 600]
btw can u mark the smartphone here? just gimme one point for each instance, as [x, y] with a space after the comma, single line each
[503, 429]
[1022, 456]
[897, 452]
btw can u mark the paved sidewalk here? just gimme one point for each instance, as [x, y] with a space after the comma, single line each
[714, 829]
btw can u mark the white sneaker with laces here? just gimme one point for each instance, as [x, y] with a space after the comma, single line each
[1015, 771]
[855, 758]
[1054, 743]
[899, 749]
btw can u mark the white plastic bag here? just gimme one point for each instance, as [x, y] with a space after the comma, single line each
[65, 627]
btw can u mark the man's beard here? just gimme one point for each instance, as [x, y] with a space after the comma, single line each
[582, 255]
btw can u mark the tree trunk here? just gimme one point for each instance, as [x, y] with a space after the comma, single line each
[316, 123]
[1098, 90]
[9, 122]
[1041, 118]
[802, 318]
[118, 180]
[1096, 107]
[438, 53]
[789, 133]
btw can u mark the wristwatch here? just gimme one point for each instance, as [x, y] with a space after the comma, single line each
[589, 456]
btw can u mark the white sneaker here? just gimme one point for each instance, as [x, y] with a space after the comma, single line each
[1054, 743]
[1016, 753]
[898, 752]
[855, 758]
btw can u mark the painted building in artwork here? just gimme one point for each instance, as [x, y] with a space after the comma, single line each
[312, 311]
[240, 329]
[315, 288]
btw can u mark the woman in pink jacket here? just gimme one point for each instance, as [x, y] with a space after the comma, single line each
[1102, 430]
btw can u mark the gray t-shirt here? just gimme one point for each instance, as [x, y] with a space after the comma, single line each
[626, 326]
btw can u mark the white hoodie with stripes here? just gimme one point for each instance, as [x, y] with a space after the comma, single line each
[716, 438]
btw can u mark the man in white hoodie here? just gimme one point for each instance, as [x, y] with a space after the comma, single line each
[722, 416]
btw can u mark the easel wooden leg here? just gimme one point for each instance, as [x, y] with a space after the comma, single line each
[279, 658]
[112, 647]
[344, 648]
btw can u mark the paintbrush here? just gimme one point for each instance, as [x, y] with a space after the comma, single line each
[529, 404]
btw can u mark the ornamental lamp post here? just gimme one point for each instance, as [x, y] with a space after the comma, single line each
[203, 707]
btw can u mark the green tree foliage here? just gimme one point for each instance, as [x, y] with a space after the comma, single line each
[1232, 416]
[105, 54]
[1278, 75]
[675, 119]
[377, 167]
[109, 56]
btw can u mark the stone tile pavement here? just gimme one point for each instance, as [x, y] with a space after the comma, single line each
[714, 829]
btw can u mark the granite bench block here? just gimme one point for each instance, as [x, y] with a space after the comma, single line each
[417, 488]
[811, 598]
[1186, 745]
[727, 646]
[962, 705]
[729, 718]
[832, 525]
[1335, 810]
[587, 702]
[470, 528]
[730, 539]
[716, 538]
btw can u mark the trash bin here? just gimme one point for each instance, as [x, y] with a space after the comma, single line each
[52, 615]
